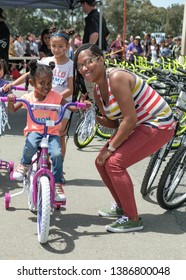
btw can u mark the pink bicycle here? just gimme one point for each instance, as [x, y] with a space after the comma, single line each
[39, 180]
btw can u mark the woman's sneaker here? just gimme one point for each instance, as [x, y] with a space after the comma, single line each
[59, 193]
[114, 211]
[124, 224]
[20, 172]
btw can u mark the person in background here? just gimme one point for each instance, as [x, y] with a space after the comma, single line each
[146, 46]
[176, 50]
[19, 46]
[165, 51]
[91, 33]
[170, 42]
[44, 47]
[29, 45]
[117, 47]
[4, 38]
[144, 123]
[91, 30]
[77, 41]
[154, 50]
[133, 49]
[3, 71]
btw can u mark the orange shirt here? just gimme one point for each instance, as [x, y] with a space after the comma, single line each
[42, 115]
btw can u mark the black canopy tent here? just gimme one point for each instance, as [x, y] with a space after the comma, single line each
[52, 4]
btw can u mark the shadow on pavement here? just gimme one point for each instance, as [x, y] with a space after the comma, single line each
[62, 238]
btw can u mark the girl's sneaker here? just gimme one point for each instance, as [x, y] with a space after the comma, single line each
[59, 193]
[20, 172]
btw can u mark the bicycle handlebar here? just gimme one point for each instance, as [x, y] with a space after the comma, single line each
[50, 107]
[13, 87]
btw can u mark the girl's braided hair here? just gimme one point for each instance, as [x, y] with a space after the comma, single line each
[79, 85]
[37, 69]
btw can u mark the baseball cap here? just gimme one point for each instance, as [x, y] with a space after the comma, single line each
[177, 39]
[1, 12]
[138, 37]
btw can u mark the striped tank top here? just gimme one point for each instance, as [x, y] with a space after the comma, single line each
[151, 108]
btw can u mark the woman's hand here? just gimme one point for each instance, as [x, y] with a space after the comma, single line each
[103, 156]
[104, 121]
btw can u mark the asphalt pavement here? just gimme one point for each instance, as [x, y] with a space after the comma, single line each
[77, 232]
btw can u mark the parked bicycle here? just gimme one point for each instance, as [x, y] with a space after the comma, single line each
[179, 137]
[39, 180]
[87, 128]
[171, 189]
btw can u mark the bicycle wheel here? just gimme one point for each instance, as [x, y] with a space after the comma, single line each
[104, 132]
[171, 191]
[152, 170]
[84, 132]
[43, 209]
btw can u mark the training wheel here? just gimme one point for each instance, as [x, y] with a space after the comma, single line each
[11, 166]
[7, 200]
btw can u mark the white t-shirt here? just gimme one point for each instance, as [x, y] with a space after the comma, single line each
[61, 73]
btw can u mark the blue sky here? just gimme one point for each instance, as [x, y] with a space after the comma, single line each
[166, 3]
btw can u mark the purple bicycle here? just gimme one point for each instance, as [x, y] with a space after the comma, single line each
[39, 180]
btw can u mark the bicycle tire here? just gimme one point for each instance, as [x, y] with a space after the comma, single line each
[152, 171]
[171, 191]
[43, 209]
[82, 137]
[104, 132]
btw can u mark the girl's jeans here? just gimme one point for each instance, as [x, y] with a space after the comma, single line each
[54, 148]
[142, 142]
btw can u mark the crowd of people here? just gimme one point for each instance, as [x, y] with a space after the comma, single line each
[78, 65]
[169, 47]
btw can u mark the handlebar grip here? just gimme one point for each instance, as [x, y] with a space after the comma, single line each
[18, 88]
[4, 99]
[80, 105]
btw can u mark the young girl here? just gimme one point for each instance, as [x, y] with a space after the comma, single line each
[62, 74]
[40, 77]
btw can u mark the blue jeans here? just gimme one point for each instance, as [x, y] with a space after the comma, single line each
[54, 149]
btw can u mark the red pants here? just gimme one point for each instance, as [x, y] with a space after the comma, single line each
[142, 142]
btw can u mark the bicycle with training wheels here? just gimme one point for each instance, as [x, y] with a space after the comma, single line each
[39, 180]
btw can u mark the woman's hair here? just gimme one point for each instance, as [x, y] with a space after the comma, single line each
[37, 69]
[66, 33]
[3, 66]
[44, 32]
[79, 85]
